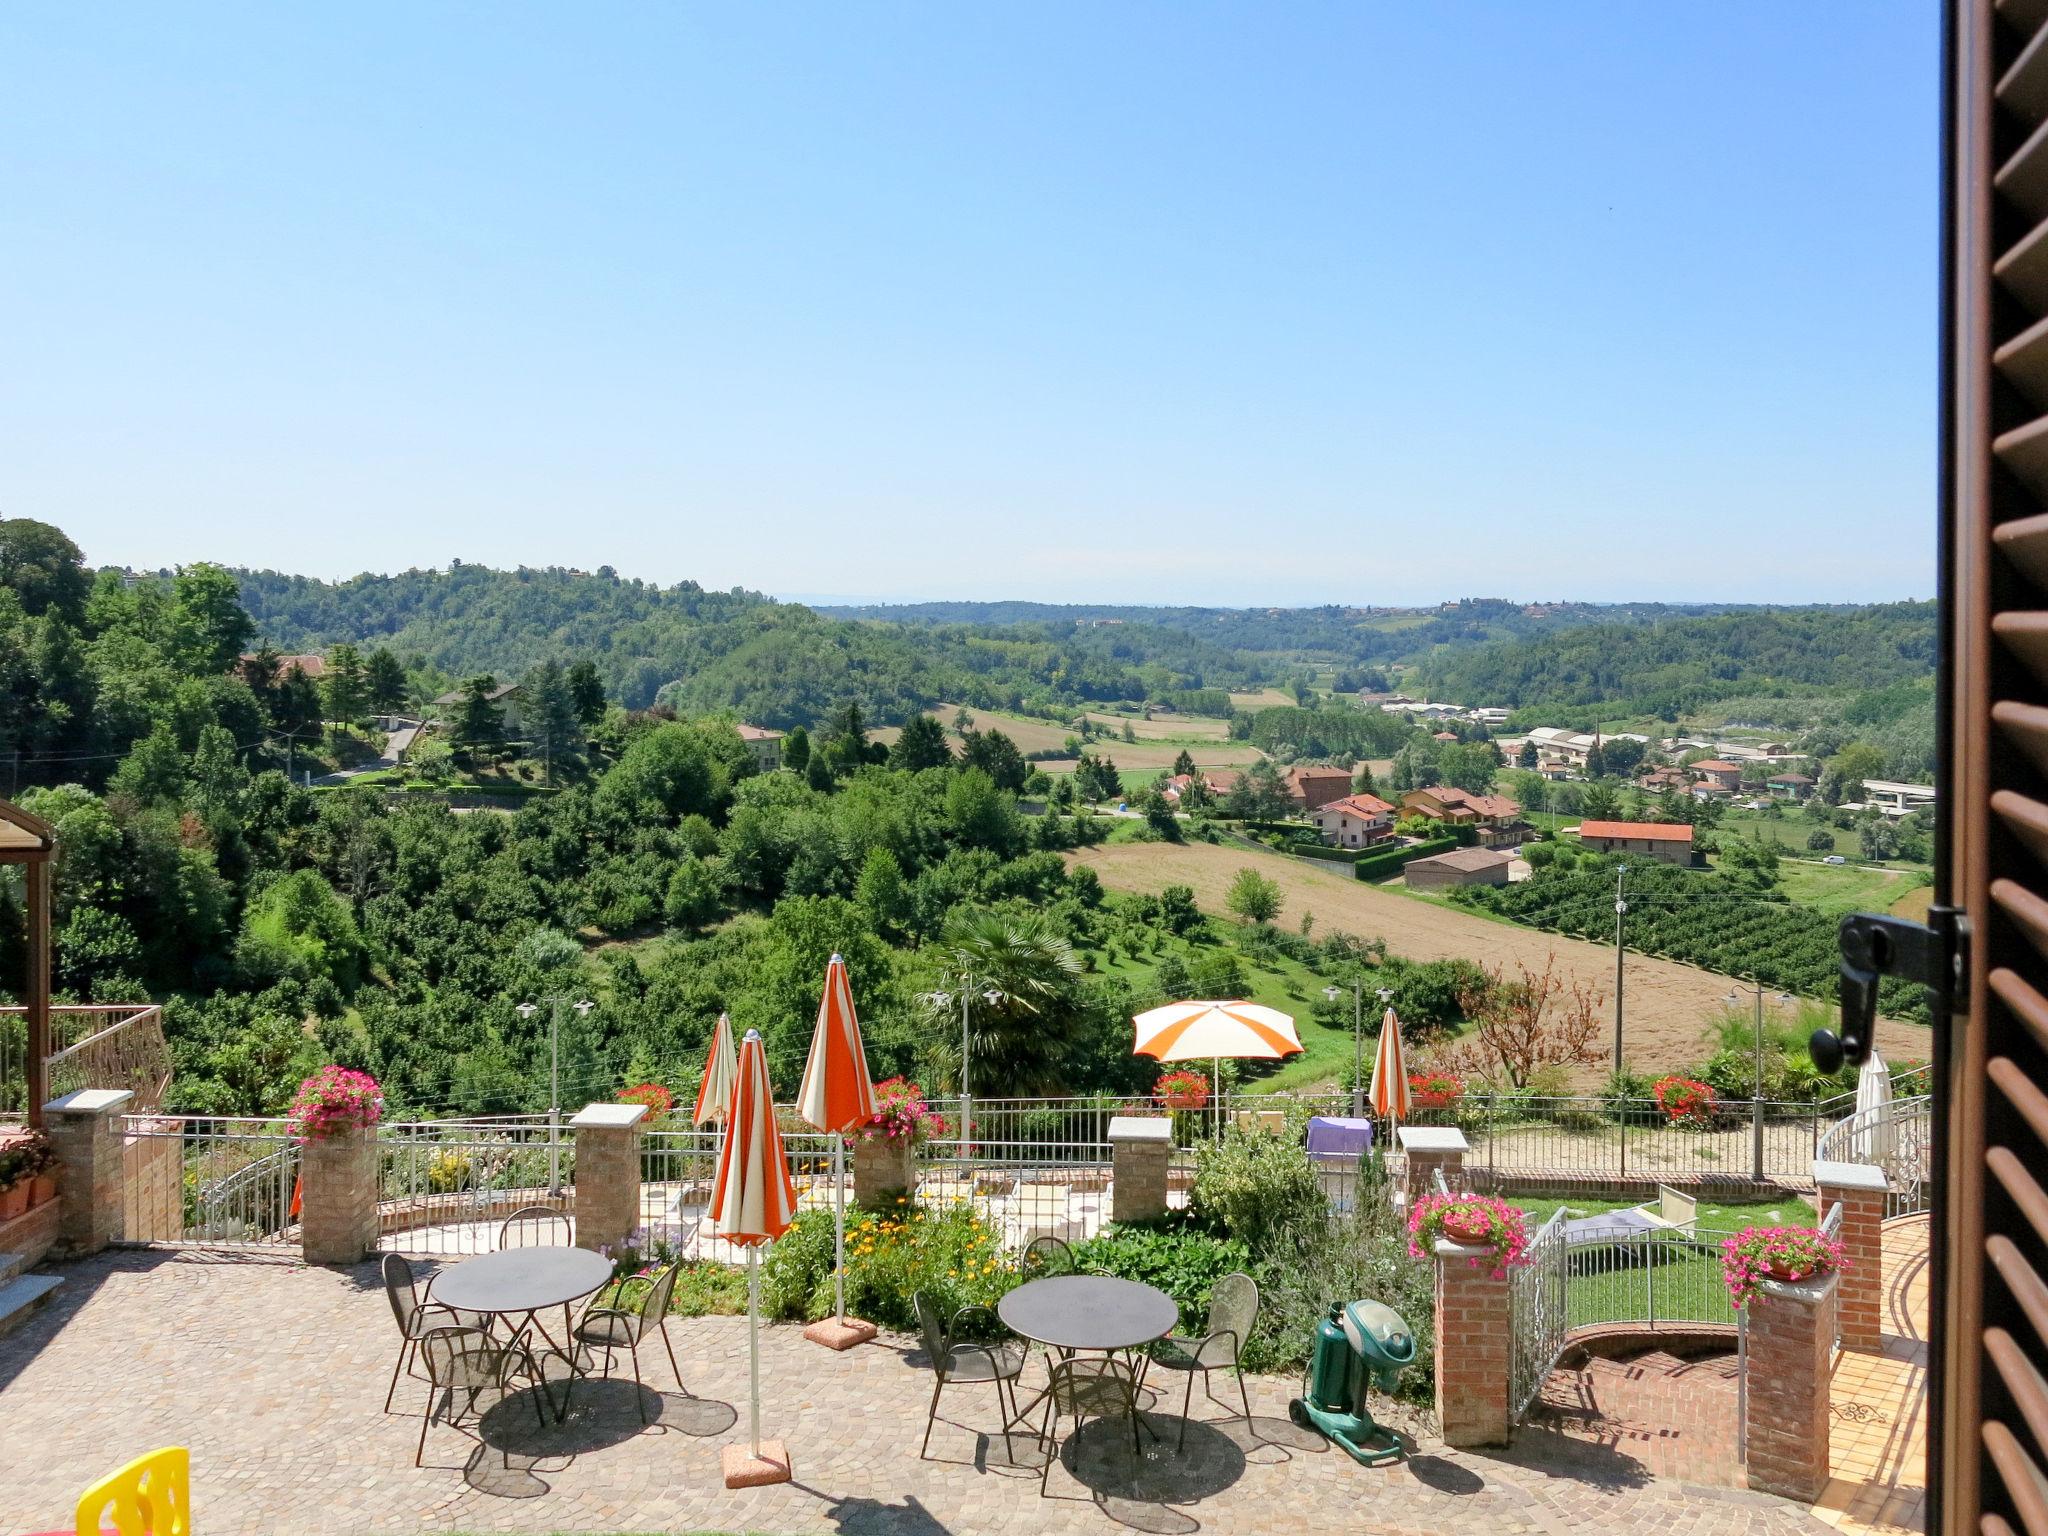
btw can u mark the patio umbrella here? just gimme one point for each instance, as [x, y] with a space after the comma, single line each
[838, 1096]
[1210, 1031]
[721, 1071]
[753, 1203]
[1876, 1137]
[1389, 1094]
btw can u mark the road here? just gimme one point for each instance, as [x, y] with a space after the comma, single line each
[1668, 1007]
[395, 746]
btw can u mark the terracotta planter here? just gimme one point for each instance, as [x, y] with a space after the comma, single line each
[1466, 1229]
[1786, 1273]
[14, 1199]
[42, 1189]
[1185, 1100]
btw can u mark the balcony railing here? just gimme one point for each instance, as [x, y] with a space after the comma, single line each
[102, 1045]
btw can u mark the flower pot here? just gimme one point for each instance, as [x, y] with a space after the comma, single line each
[1788, 1272]
[1467, 1227]
[1184, 1100]
[42, 1189]
[14, 1199]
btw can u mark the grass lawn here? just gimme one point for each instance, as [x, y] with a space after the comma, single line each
[1837, 888]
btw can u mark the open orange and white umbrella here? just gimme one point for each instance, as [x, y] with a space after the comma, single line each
[838, 1096]
[721, 1071]
[753, 1201]
[1213, 1030]
[1390, 1073]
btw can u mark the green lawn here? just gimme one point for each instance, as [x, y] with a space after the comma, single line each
[1837, 888]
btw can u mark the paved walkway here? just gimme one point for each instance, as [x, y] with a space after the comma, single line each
[274, 1374]
[1878, 1442]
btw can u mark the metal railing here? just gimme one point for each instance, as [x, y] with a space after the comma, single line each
[1539, 1313]
[444, 1186]
[1897, 1137]
[208, 1181]
[92, 1045]
[1653, 1278]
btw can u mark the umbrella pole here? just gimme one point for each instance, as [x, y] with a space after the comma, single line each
[1216, 1089]
[839, 1224]
[754, 1343]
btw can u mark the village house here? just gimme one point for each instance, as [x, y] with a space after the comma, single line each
[1898, 799]
[1660, 779]
[1790, 786]
[1719, 772]
[1355, 821]
[509, 697]
[1667, 842]
[1496, 818]
[1313, 788]
[312, 663]
[1461, 866]
[765, 744]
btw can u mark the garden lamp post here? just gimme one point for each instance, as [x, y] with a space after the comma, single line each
[555, 1006]
[1620, 911]
[1357, 1037]
[942, 1000]
[1756, 1082]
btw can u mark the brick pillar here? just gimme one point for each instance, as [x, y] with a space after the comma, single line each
[338, 1196]
[1791, 1339]
[1427, 1148]
[1472, 1324]
[90, 1182]
[1860, 1191]
[1140, 1151]
[883, 1170]
[607, 1173]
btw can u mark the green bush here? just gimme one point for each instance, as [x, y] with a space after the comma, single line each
[1251, 1184]
[952, 1256]
[1176, 1255]
[1390, 861]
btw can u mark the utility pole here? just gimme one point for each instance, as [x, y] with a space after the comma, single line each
[1620, 955]
[526, 1011]
[1756, 1088]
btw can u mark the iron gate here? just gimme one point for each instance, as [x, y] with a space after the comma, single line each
[445, 1186]
[208, 1181]
[1538, 1315]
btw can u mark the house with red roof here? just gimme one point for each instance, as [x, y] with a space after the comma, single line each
[1667, 842]
[1355, 821]
[1313, 788]
[1496, 818]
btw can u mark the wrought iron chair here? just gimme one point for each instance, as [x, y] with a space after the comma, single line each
[536, 1226]
[954, 1362]
[1045, 1256]
[1233, 1309]
[1092, 1387]
[416, 1316]
[470, 1361]
[621, 1324]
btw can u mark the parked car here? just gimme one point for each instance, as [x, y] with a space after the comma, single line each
[1834, 858]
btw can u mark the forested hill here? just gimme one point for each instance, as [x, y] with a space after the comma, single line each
[1681, 665]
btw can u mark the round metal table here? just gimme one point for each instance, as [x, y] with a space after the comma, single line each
[1094, 1312]
[524, 1282]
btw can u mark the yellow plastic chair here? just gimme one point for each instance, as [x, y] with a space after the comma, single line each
[151, 1496]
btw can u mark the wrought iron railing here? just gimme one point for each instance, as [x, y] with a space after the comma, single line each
[1539, 1314]
[210, 1181]
[1897, 1137]
[92, 1045]
[445, 1186]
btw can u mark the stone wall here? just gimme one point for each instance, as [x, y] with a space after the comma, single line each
[32, 1234]
[153, 1186]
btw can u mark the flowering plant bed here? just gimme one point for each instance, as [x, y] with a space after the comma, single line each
[334, 1100]
[1685, 1100]
[902, 1116]
[659, 1100]
[1435, 1090]
[1476, 1221]
[1182, 1089]
[1775, 1253]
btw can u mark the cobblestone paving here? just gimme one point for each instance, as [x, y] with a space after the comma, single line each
[274, 1374]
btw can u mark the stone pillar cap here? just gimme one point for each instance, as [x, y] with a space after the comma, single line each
[1432, 1138]
[1850, 1176]
[1809, 1290]
[1449, 1248]
[90, 1101]
[1140, 1128]
[608, 1117]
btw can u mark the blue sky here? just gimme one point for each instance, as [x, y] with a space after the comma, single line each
[1247, 304]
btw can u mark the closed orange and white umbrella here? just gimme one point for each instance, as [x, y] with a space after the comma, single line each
[721, 1071]
[1198, 1030]
[753, 1201]
[1390, 1073]
[838, 1096]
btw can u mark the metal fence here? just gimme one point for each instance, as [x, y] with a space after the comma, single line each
[1626, 1276]
[208, 1181]
[1539, 1315]
[444, 1186]
[1897, 1137]
[679, 1167]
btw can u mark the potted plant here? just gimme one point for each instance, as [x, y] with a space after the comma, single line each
[14, 1183]
[333, 1101]
[1685, 1100]
[1181, 1089]
[39, 1165]
[1435, 1090]
[659, 1100]
[884, 1157]
[1756, 1254]
[1470, 1221]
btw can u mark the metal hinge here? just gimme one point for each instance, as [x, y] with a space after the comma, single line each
[1934, 954]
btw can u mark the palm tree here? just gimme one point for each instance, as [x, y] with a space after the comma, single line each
[1012, 980]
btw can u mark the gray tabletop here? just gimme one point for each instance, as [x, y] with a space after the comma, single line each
[522, 1279]
[1086, 1312]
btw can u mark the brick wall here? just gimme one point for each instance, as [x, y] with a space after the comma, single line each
[1791, 1340]
[607, 1173]
[1860, 1296]
[90, 1169]
[34, 1233]
[153, 1186]
[1472, 1325]
[338, 1197]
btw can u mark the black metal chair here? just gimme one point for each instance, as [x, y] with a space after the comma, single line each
[416, 1315]
[536, 1226]
[470, 1361]
[1233, 1308]
[955, 1362]
[1081, 1389]
[623, 1324]
[1046, 1256]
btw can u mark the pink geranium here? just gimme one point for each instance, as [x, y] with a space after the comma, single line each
[1481, 1221]
[333, 1100]
[901, 1115]
[1762, 1253]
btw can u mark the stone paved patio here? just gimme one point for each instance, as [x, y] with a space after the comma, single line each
[273, 1374]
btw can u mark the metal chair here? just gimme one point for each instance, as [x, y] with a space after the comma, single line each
[1094, 1387]
[1044, 1256]
[468, 1360]
[955, 1362]
[536, 1226]
[1233, 1308]
[416, 1315]
[622, 1324]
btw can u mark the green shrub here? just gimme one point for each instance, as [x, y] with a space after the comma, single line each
[1176, 1255]
[1250, 1184]
[953, 1256]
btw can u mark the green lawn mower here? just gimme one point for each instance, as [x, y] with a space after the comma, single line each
[1359, 1345]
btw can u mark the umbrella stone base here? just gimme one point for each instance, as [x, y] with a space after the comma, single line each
[840, 1332]
[743, 1469]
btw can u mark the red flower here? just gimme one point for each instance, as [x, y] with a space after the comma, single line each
[1684, 1099]
[1181, 1089]
[1435, 1090]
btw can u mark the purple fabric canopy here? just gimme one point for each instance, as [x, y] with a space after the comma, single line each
[1337, 1136]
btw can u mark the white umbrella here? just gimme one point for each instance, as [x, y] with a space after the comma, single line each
[837, 1096]
[721, 1072]
[1210, 1031]
[1876, 1138]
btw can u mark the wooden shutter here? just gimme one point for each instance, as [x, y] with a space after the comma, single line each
[1988, 1418]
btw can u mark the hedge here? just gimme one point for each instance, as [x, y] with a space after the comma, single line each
[1374, 865]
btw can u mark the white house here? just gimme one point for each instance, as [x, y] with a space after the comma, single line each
[1356, 821]
[1898, 799]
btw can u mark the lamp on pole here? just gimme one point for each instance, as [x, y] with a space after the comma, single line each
[556, 1004]
[1357, 1037]
[1756, 1081]
[942, 1000]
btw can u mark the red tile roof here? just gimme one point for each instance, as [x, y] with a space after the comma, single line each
[1648, 831]
[1715, 765]
[1364, 807]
